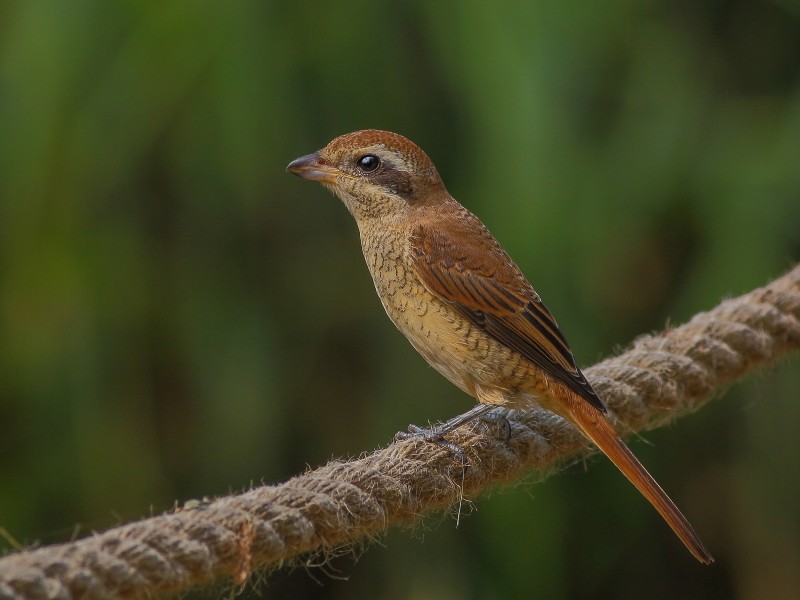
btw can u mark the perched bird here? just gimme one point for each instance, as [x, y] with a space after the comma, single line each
[452, 290]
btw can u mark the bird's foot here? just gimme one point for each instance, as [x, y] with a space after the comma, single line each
[436, 433]
[497, 416]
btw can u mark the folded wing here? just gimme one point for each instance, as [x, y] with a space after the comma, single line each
[498, 299]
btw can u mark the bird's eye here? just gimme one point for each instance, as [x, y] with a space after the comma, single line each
[368, 163]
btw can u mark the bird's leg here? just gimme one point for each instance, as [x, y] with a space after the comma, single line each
[436, 433]
[498, 417]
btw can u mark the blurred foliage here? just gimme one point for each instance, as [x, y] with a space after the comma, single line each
[179, 318]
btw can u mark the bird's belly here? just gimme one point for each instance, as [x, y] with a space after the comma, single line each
[451, 343]
[434, 334]
[454, 346]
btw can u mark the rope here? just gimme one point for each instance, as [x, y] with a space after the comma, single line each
[659, 379]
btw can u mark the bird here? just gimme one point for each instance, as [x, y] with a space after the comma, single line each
[449, 286]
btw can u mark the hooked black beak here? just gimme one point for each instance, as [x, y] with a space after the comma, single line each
[313, 168]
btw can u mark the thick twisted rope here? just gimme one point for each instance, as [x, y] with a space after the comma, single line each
[657, 380]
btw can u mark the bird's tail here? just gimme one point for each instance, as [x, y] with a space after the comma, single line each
[595, 426]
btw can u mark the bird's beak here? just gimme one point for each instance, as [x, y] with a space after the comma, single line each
[313, 168]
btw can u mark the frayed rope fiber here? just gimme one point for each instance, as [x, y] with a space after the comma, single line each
[657, 380]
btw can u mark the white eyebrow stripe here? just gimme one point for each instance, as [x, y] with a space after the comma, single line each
[388, 157]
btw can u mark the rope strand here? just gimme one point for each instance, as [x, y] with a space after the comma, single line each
[657, 380]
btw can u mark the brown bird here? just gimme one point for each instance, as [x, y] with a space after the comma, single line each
[457, 296]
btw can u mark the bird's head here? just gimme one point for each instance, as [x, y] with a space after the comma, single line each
[377, 174]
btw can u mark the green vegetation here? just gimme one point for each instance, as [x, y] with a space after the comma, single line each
[180, 318]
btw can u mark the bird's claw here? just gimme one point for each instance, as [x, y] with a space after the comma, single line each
[498, 417]
[429, 434]
[434, 435]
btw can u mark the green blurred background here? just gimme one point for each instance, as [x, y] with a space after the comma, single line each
[180, 318]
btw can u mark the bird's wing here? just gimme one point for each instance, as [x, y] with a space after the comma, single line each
[485, 285]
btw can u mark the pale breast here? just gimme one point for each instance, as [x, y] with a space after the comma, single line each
[443, 336]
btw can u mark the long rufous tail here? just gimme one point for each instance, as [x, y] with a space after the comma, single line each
[595, 426]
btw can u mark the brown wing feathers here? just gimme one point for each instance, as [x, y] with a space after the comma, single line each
[502, 303]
